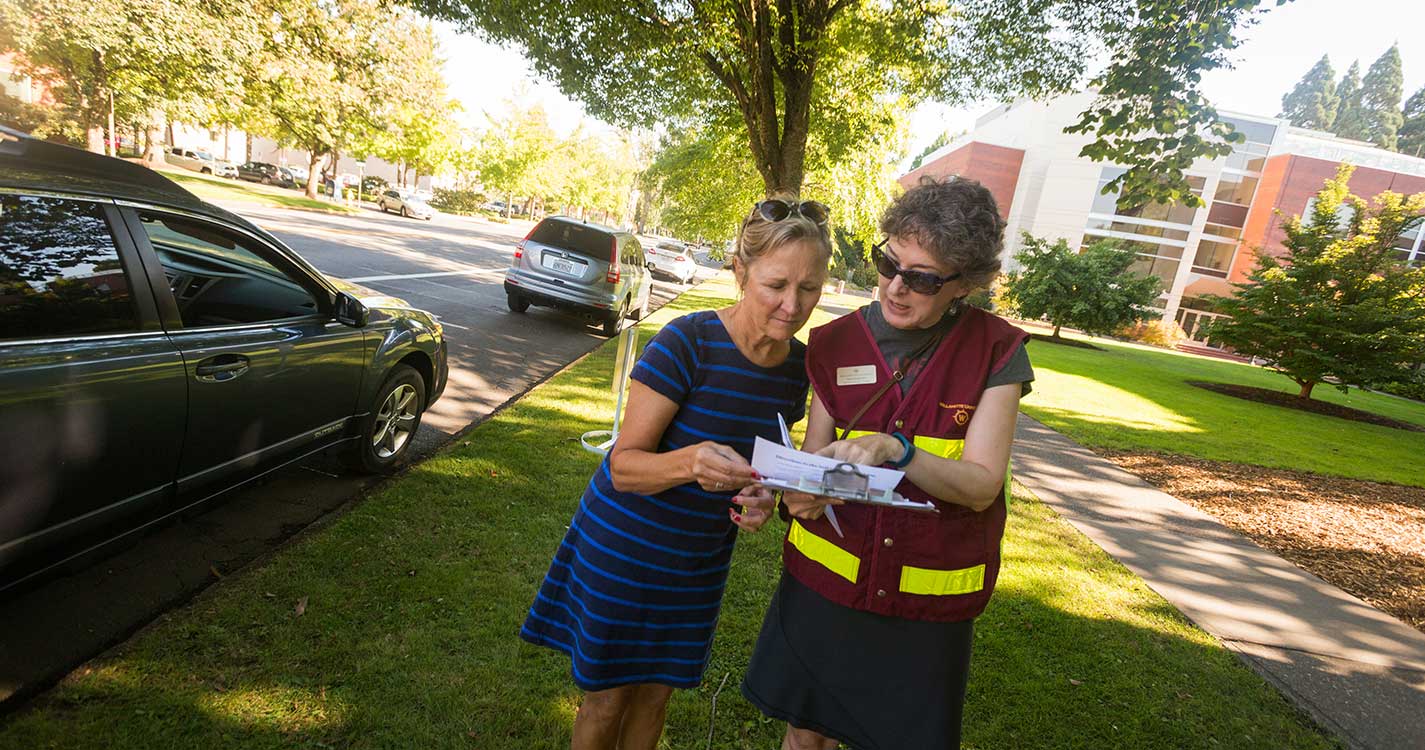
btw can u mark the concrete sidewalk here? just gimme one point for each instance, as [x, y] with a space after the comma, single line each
[1359, 672]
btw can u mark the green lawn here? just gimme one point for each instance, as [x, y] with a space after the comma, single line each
[1133, 397]
[414, 598]
[209, 188]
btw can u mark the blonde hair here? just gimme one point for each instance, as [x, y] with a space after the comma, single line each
[757, 236]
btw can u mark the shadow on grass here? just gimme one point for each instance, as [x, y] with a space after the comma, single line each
[213, 188]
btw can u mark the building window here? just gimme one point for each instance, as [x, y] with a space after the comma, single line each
[1222, 230]
[1235, 188]
[1109, 205]
[1251, 154]
[1108, 225]
[1154, 259]
[1213, 257]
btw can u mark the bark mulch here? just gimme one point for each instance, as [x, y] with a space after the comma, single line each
[1278, 398]
[1367, 538]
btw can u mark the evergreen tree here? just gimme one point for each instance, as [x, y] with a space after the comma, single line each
[1349, 122]
[1381, 91]
[1312, 103]
[940, 141]
[1340, 305]
[1412, 128]
[1093, 290]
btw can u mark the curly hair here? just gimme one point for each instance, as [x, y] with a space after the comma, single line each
[757, 236]
[956, 220]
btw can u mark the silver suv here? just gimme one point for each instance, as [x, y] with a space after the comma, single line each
[595, 271]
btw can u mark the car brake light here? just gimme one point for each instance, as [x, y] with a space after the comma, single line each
[519, 246]
[612, 277]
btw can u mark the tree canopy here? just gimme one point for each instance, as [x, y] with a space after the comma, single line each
[1381, 91]
[785, 72]
[1312, 102]
[1340, 305]
[1350, 120]
[1412, 127]
[1093, 290]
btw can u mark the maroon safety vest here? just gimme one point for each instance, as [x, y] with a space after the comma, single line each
[898, 562]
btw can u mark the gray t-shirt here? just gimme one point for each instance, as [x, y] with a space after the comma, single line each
[897, 345]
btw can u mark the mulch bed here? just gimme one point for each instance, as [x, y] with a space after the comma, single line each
[1064, 342]
[1278, 398]
[1368, 538]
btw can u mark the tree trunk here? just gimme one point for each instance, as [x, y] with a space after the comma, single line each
[152, 154]
[314, 177]
[247, 147]
[94, 139]
[168, 135]
[1305, 393]
[509, 203]
[415, 178]
[1056, 331]
[227, 139]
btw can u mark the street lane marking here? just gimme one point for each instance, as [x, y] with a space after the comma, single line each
[398, 276]
[445, 322]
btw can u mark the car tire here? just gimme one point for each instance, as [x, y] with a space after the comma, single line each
[388, 430]
[266, 180]
[405, 213]
[516, 303]
[642, 311]
[205, 170]
[612, 325]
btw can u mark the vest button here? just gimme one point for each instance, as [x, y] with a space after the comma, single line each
[881, 592]
[888, 541]
[900, 423]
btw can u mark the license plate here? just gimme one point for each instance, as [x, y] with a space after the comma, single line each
[560, 265]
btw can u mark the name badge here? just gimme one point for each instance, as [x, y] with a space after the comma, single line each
[856, 375]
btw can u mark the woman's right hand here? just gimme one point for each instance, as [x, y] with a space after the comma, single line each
[808, 507]
[718, 468]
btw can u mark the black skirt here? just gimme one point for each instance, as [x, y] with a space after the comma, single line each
[870, 681]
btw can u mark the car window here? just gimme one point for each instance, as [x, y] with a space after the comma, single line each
[220, 278]
[60, 273]
[577, 238]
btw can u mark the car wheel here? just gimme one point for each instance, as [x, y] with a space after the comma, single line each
[205, 170]
[612, 325]
[517, 304]
[642, 311]
[266, 180]
[389, 429]
[405, 213]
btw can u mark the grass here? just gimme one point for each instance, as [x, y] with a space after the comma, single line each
[211, 188]
[414, 598]
[1131, 397]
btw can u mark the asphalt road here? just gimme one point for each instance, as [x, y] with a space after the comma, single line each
[452, 266]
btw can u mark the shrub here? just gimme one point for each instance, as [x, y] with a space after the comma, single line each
[1164, 333]
[864, 277]
[465, 202]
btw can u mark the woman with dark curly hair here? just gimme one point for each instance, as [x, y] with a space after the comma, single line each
[867, 639]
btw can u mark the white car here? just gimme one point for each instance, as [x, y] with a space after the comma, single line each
[405, 204]
[200, 161]
[672, 258]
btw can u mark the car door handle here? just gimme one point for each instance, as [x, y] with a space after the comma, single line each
[221, 368]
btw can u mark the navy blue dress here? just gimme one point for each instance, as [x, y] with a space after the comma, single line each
[633, 592]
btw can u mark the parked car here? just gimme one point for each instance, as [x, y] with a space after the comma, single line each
[404, 204]
[200, 161]
[265, 173]
[673, 259]
[594, 271]
[299, 175]
[156, 350]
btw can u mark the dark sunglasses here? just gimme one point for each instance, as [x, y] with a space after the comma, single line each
[774, 209]
[919, 282]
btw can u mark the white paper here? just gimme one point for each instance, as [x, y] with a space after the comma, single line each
[790, 466]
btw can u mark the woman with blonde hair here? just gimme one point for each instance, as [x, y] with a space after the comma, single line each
[633, 593]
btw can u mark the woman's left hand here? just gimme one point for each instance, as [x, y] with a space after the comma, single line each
[869, 450]
[757, 503]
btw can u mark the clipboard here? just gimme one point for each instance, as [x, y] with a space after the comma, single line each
[846, 482]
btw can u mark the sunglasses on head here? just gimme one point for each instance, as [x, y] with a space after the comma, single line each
[775, 209]
[919, 282]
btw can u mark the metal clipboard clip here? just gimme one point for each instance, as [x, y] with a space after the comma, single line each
[846, 482]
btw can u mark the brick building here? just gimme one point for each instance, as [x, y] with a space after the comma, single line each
[1020, 152]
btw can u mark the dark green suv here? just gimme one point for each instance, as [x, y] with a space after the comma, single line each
[156, 350]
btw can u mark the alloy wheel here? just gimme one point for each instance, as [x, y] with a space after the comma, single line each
[395, 422]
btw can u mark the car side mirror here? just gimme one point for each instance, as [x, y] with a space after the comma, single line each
[350, 311]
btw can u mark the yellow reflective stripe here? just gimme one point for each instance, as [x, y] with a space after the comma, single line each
[942, 447]
[942, 582]
[837, 560]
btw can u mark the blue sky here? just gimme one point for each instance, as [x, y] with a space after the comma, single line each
[1276, 53]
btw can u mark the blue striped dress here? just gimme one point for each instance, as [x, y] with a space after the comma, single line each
[634, 589]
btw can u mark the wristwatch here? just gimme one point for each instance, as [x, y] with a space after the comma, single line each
[909, 454]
